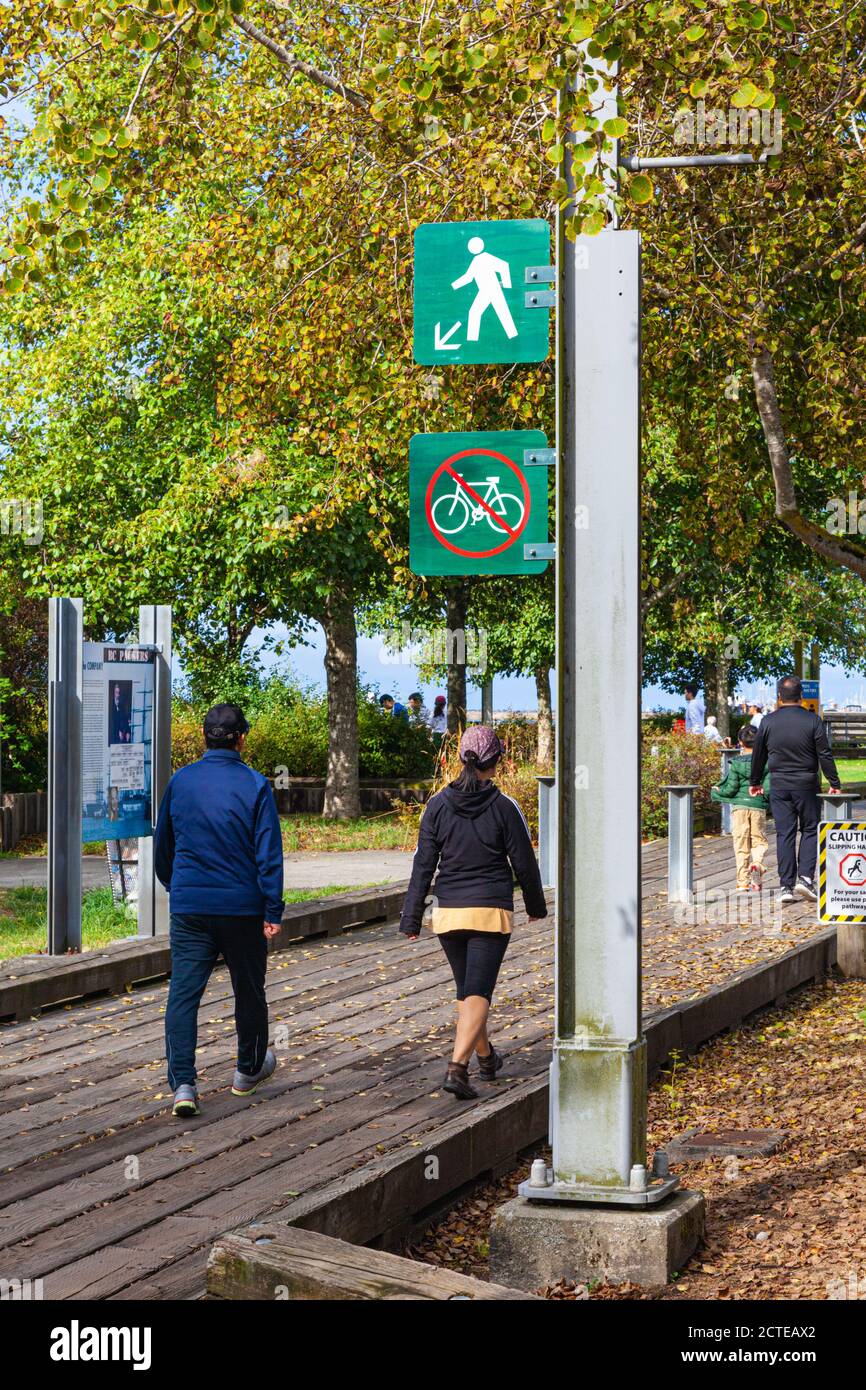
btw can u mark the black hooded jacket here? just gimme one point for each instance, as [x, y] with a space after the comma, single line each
[480, 843]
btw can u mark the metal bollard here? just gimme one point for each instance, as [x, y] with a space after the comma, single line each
[837, 807]
[728, 755]
[681, 828]
[547, 829]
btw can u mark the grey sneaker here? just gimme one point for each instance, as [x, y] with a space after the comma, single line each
[245, 1085]
[185, 1102]
[787, 896]
[803, 888]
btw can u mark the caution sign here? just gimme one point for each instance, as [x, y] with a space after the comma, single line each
[476, 506]
[842, 871]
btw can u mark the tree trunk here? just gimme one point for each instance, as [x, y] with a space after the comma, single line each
[455, 621]
[711, 684]
[342, 796]
[544, 751]
[723, 687]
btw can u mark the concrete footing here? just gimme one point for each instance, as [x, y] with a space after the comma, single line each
[533, 1244]
[851, 949]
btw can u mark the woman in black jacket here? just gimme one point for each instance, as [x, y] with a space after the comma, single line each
[479, 841]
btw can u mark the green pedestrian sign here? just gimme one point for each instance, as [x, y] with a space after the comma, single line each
[482, 291]
[478, 502]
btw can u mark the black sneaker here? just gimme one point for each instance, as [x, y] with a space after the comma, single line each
[787, 896]
[803, 888]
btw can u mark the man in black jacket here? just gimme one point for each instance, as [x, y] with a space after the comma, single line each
[793, 741]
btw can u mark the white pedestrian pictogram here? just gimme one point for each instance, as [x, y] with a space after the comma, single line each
[490, 275]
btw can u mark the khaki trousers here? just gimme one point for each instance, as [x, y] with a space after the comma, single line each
[749, 833]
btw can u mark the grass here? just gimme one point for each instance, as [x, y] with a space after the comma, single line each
[384, 831]
[23, 916]
[38, 845]
[850, 770]
[304, 895]
[23, 920]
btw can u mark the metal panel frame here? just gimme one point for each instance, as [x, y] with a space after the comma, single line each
[65, 689]
[154, 628]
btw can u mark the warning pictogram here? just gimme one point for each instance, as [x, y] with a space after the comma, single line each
[475, 506]
[852, 869]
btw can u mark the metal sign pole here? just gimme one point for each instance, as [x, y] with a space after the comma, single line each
[154, 627]
[65, 688]
[598, 1073]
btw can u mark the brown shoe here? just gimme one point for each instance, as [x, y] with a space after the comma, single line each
[488, 1066]
[457, 1082]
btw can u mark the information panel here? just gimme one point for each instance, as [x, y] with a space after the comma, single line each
[117, 730]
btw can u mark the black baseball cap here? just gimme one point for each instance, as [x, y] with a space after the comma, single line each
[223, 724]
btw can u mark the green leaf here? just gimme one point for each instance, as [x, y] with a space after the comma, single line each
[592, 225]
[640, 189]
[101, 179]
[745, 94]
[616, 127]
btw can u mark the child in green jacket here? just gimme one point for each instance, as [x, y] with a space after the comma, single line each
[748, 814]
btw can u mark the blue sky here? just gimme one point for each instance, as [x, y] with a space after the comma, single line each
[516, 692]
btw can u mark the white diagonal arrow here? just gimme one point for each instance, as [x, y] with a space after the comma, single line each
[442, 344]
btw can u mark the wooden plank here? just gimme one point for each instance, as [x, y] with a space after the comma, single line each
[273, 1262]
[28, 986]
[354, 1106]
[108, 1093]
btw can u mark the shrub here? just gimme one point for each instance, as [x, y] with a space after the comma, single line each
[515, 779]
[520, 738]
[671, 759]
[289, 729]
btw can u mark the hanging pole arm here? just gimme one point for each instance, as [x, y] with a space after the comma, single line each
[633, 163]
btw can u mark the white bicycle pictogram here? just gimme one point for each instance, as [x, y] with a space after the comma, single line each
[454, 511]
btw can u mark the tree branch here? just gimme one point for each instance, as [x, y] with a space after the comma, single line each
[295, 64]
[655, 596]
[150, 62]
[835, 549]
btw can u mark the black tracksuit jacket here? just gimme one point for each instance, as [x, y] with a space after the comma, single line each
[479, 842]
[792, 740]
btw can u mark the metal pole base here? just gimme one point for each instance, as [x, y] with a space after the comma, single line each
[656, 1191]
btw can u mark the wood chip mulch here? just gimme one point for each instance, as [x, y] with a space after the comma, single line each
[788, 1226]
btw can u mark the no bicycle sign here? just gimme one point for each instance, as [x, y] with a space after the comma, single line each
[842, 871]
[477, 502]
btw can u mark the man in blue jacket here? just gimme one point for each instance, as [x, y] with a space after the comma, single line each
[218, 852]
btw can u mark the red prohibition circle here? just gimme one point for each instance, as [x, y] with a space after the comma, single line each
[446, 466]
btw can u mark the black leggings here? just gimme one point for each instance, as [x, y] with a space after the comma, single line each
[475, 958]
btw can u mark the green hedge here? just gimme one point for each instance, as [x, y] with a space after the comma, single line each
[675, 759]
[289, 729]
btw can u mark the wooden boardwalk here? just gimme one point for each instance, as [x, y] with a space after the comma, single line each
[104, 1195]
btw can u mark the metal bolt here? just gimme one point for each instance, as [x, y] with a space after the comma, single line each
[538, 1173]
[661, 1166]
[637, 1178]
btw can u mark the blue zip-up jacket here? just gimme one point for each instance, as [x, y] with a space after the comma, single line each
[218, 847]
